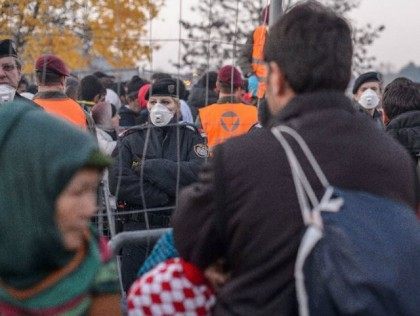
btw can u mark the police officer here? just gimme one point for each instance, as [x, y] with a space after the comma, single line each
[151, 162]
[10, 72]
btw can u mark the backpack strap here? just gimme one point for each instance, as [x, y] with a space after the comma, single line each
[304, 190]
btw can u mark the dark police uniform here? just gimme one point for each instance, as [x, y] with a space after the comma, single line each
[157, 165]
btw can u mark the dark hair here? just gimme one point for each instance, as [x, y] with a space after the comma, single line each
[33, 88]
[46, 78]
[119, 87]
[90, 87]
[400, 96]
[183, 95]
[133, 87]
[113, 110]
[24, 81]
[227, 88]
[212, 78]
[71, 87]
[313, 48]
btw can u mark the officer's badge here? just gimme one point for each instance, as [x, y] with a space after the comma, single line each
[171, 89]
[201, 150]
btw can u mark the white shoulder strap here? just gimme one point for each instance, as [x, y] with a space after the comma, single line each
[304, 190]
[311, 216]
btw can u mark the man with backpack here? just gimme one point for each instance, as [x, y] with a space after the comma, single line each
[244, 210]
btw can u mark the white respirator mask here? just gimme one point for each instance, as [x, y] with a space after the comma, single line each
[7, 93]
[160, 115]
[369, 99]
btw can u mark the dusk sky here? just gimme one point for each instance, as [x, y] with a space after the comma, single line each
[398, 44]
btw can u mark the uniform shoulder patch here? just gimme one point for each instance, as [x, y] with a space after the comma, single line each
[189, 126]
[201, 150]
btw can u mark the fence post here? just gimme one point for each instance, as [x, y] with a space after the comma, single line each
[276, 10]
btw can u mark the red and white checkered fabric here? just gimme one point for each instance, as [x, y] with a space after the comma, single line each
[173, 287]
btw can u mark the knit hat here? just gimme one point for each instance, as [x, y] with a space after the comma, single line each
[166, 87]
[371, 76]
[174, 287]
[51, 63]
[230, 75]
[7, 48]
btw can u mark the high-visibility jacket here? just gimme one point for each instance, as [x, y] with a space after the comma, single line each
[221, 121]
[65, 108]
[258, 65]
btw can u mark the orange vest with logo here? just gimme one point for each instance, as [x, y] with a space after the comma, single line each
[67, 109]
[225, 120]
[258, 65]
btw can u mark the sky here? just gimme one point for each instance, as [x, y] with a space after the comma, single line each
[397, 46]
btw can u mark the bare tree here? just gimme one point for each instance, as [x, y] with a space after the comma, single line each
[223, 25]
[219, 32]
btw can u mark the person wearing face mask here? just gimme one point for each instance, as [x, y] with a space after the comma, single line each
[51, 262]
[367, 93]
[10, 73]
[151, 162]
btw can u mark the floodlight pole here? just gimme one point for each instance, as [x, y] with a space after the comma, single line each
[276, 10]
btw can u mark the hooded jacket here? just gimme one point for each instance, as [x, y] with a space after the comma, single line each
[38, 157]
[245, 202]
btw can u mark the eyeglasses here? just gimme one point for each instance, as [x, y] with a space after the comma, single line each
[8, 67]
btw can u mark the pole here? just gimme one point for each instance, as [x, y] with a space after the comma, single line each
[276, 10]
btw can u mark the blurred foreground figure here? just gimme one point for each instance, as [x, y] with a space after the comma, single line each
[50, 259]
[244, 210]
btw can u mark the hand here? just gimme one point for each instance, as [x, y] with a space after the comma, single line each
[216, 276]
[136, 164]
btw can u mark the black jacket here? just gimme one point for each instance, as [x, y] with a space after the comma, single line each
[130, 118]
[244, 207]
[197, 97]
[406, 129]
[158, 163]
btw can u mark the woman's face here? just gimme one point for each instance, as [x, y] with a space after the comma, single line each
[169, 102]
[75, 205]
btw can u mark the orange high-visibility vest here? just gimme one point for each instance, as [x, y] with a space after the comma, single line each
[258, 65]
[67, 109]
[225, 120]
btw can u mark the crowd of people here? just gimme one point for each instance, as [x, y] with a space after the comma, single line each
[228, 165]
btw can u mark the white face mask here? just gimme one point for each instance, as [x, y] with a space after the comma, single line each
[369, 99]
[160, 115]
[7, 93]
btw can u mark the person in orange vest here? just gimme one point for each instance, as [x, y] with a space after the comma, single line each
[51, 74]
[229, 116]
[251, 60]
